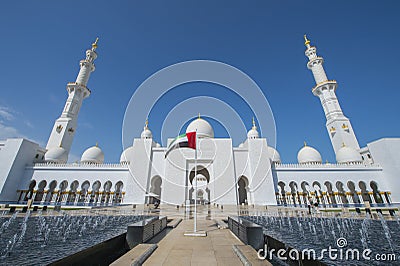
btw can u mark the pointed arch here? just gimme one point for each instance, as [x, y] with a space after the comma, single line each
[31, 188]
[364, 192]
[201, 170]
[342, 192]
[105, 197]
[40, 191]
[318, 192]
[353, 192]
[243, 191]
[94, 196]
[118, 192]
[50, 193]
[375, 192]
[294, 192]
[72, 192]
[84, 190]
[331, 196]
[61, 192]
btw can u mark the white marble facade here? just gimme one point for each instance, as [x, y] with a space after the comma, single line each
[249, 174]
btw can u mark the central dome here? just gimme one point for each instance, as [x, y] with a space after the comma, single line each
[203, 128]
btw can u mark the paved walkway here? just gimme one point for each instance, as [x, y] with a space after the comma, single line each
[214, 249]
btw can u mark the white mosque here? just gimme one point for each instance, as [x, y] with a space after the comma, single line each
[251, 173]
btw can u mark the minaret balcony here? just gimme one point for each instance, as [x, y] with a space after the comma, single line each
[71, 86]
[325, 85]
[315, 61]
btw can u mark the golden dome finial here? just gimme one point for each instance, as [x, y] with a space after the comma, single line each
[306, 41]
[97, 144]
[254, 124]
[305, 144]
[199, 117]
[94, 45]
[343, 144]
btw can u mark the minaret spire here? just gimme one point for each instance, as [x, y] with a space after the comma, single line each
[87, 65]
[306, 41]
[94, 45]
[338, 126]
[254, 124]
[64, 128]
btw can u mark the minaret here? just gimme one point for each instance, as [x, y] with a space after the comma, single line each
[339, 127]
[64, 128]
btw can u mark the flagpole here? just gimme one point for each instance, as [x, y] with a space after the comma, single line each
[195, 186]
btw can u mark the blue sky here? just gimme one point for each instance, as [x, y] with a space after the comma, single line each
[43, 41]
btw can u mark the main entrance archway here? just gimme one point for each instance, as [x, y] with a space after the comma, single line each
[203, 179]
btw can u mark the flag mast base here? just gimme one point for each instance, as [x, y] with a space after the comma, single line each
[198, 233]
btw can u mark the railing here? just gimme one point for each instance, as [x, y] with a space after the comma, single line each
[248, 232]
[81, 165]
[340, 205]
[78, 204]
[328, 165]
[142, 231]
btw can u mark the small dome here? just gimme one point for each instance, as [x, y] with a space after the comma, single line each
[204, 129]
[308, 154]
[348, 155]
[126, 155]
[56, 155]
[253, 133]
[93, 155]
[274, 155]
[146, 133]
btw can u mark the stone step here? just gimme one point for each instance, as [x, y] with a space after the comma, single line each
[174, 223]
[136, 256]
[248, 256]
[221, 224]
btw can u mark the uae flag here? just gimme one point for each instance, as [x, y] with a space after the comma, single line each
[187, 140]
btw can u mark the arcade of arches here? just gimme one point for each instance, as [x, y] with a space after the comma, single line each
[74, 193]
[330, 194]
